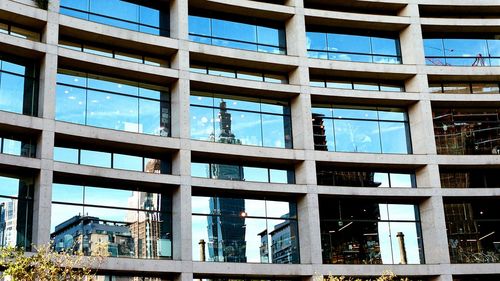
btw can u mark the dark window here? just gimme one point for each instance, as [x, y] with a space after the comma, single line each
[357, 231]
[239, 35]
[18, 145]
[16, 211]
[239, 120]
[473, 229]
[339, 177]
[469, 178]
[82, 221]
[106, 102]
[352, 47]
[462, 131]
[139, 16]
[18, 85]
[244, 230]
[19, 31]
[360, 129]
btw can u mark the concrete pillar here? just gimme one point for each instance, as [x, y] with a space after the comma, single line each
[434, 231]
[181, 223]
[309, 228]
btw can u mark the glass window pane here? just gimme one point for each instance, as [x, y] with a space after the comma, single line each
[246, 127]
[72, 78]
[357, 136]
[60, 214]
[278, 176]
[200, 205]
[411, 241]
[279, 209]
[394, 138]
[112, 111]
[382, 178]
[117, 9]
[24, 33]
[202, 123]
[95, 158]
[70, 45]
[434, 47]
[391, 88]
[64, 154]
[67, 193]
[97, 51]
[149, 16]
[114, 197]
[127, 162]
[339, 84]
[273, 133]
[201, 170]
[385, 46]
[11, 92]
[275, 78]
[401, 212]
[255, 174]
[234, 30]
[401, 180]
[317, 83]
[226, 172]
[485, 88]
[150, 117]
[200, 98]
[199, 26]
[268, 36]
[249, 76]
[348, 43]
[13, 67]
[112, 85]
[394, 114]
[199, 232]
[198, 69]
[71, 104]
[252, 233]
[435, 88]
[129, 57]
[316, 41]
[11, 147]
[355, 113]
[221, 72]
[366, 86]
[465, 48]
[457, 88]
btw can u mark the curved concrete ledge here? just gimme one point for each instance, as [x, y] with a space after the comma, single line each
[319, 94]
[151, 266]
[251, 269]
[22, 47]
[107, 34]
[460, 25]
[470, 192]
[240, 152]
[354, 20]
[268, 188]
[374, 160]
[23, 13]
[72, 59]
[14, 162]
[361, 69]
[246, 8]
[468, 160]
[17, 122]
[376, 192]
[449, 100]
[258, 60]
[115, 174]
[241, 86]
[75, 130]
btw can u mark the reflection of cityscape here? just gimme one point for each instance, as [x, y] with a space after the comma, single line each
[8, 223]
[144, 233]
[283, 248]
[14, 221]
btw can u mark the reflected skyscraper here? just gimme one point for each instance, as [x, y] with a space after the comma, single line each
[226, 235]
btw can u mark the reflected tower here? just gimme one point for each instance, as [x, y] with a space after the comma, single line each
[226, 235]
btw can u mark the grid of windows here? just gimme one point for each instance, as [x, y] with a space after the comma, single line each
[357, 85]
[465, 88]
[238, 120]
[239, 73]
[241, 173]
[351, 47]
[132, 223]
[244, 230]
[238, 35]
[360, 129]
[120, 13]
[111, 103]
[339, 177]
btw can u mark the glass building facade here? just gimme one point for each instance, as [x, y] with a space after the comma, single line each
[462, 51]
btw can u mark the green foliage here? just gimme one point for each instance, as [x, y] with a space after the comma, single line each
[47, 265]
[42, 4]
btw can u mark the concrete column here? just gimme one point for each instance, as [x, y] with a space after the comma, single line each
[434, 231]
[181, 220]
[309, 228]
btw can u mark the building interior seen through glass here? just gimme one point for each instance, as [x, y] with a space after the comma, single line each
[359, 231]
[359, 84]
[240, 120]
[360, 129]
[460, 131]
[353, 47]
[469, 178]
[464, 88]
[363, 178]
[242, 173]
[112, 103]
[244, 230]
[148, 17]
[462, 51]
[130, 223]
[234, 32]
[16, 211]
[473, 228]
[17, 144]
[18, 85]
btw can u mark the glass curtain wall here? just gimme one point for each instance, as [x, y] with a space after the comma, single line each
[106, 102]
[241, 173]
[18, 31]
[18, 85]
[232, 32]
[356, 231]
[465, 88]
[360, 129]
[461, 131]
[358, 85]
[462, 52]
[240, 120]
[229, 72]
[144, 17]
[111, 160]
[133, 223]
[16, 211]
[352, 47]
[340, 177]
[18, 145]
[469, 178]
[473, 229]
[244, 230]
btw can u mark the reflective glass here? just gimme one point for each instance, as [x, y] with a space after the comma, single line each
[339, 85]
[64, 154]
[114, 197]
[348, 43]
[149, 16]
[485, 88]
[112, 111]
[384, 46]
[95, 158]
[350, 57]
[255, 174]
[401, 180]
[278, 176]
[494, 47]
[129, 57]
[456, 88]
[71, 104]
[393, 136]
[117, 9]
[12, 89]
[221, 72]
[393, 114]
[317, 83]
[200, 26]
[247, 127]
[275, 78]
[272, 130]
[150, 117]
[268, 36]
[411, 239]
[250, 76]
[382, 178]
[357, 136]
[76, 4]
[433, 47]
[234, 31]
[198, 69]
[24, 33]
[435, 88]
[112, 85]
[465, 47]
[98, 51]
[127, 162]
[202, 123]
[11, 147]
[316, 41]
[366, 86]
[201, 170]
[355, 113]
[391, 88]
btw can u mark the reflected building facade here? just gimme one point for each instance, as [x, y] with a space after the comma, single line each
[226, 234]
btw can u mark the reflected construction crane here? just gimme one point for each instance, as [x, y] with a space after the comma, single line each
[479, 60]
